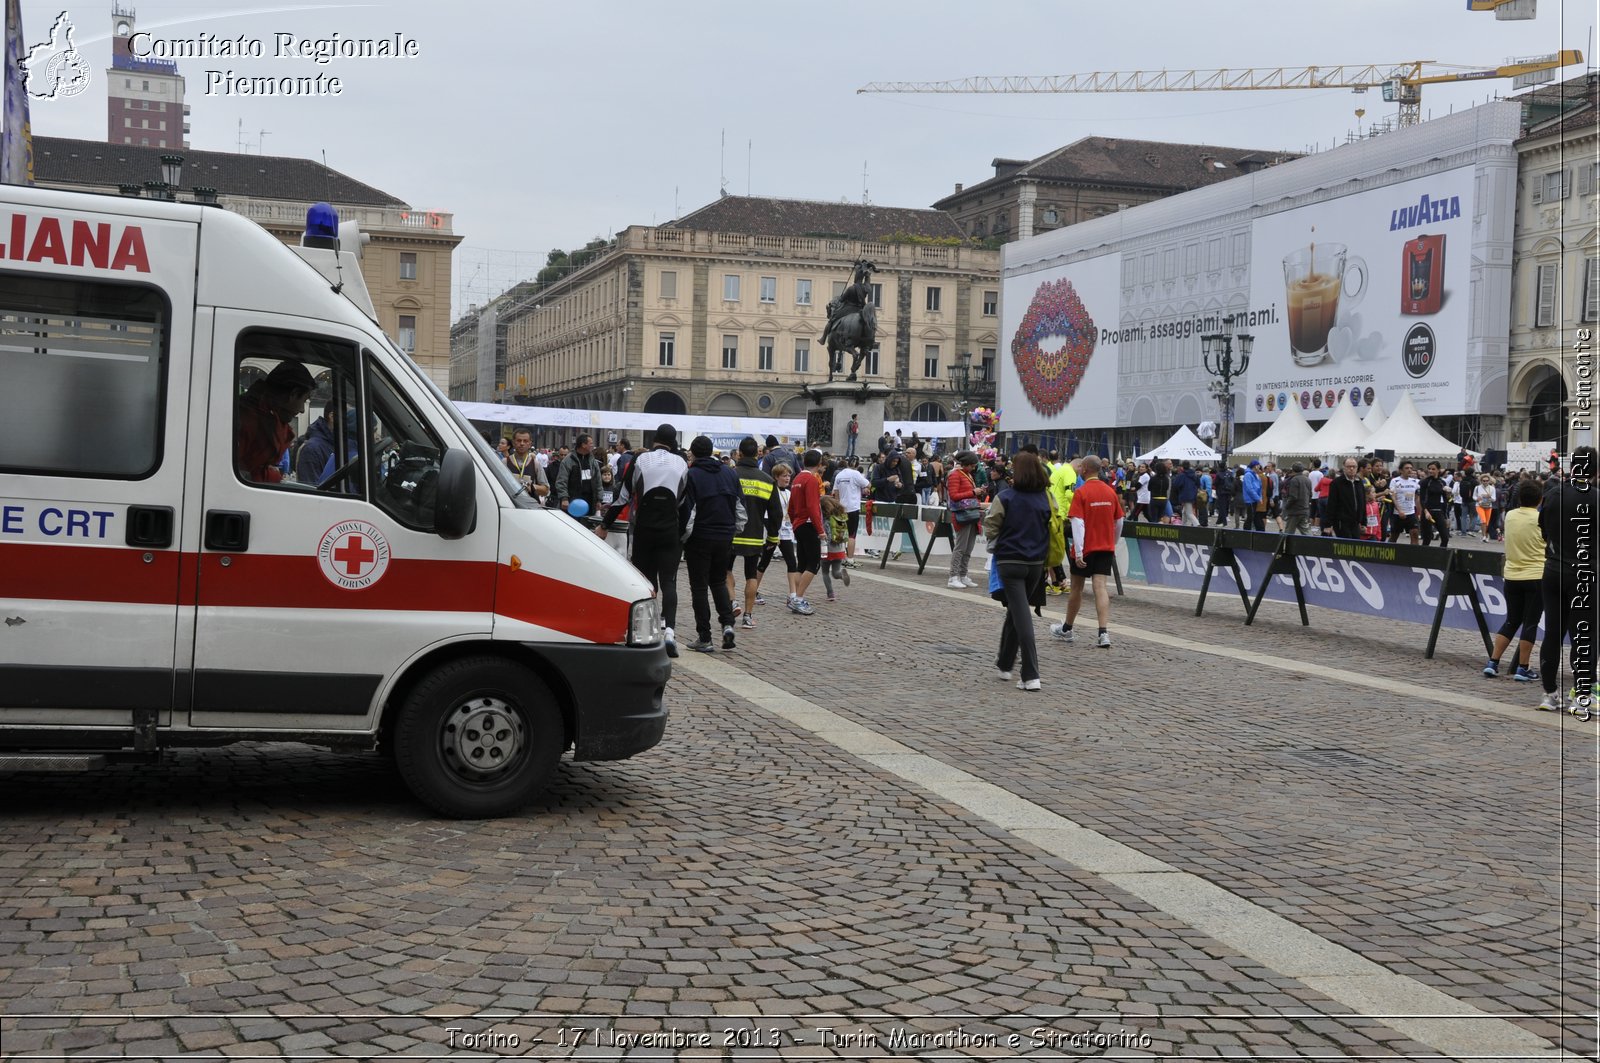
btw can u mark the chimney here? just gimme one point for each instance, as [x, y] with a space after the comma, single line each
[1007, 167]
[958, 189]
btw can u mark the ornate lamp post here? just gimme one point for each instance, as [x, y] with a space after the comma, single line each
[1217, 352]
[961, 380]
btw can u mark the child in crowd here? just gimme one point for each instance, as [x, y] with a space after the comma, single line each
[838, 529]
[1374, 528]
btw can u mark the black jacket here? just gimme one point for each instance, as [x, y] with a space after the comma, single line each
[1347, 506]
[717, 500]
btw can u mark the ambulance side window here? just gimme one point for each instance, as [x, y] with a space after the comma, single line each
[83, 367]
[296, 404]
[406, 462]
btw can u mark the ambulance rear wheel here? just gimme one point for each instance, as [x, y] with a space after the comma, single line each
[479, 737]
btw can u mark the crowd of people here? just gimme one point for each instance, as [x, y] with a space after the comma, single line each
[1051, 526]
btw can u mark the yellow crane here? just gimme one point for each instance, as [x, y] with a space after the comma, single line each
[1401, 82]
[1506, 10]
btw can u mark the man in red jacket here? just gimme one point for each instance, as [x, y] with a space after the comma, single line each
[805, 516]
[1096, 519]
[265, 421]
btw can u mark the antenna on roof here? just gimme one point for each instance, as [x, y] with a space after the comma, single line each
[338, 260]
[864, 200]
[722, 161]
[261, 149]
[749, 155]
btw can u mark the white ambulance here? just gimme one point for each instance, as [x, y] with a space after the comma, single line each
[168, 578]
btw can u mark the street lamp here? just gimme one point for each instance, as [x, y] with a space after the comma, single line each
[1217, 352]
[961, 380]
[172, 174]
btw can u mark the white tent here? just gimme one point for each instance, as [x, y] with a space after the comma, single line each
[1183, 445]
[1374, 420]
[1341, 435]
[1289, 436]
[1409, 436]
[687, 424]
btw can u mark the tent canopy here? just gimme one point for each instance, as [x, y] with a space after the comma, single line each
[1289, 436]
[1342, 433]
[1409, 436]
[1183, 445]
[792, 428]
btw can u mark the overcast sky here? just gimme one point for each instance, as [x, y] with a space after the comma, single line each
[542, 125]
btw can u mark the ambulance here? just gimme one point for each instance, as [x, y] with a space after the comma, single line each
[231, 510]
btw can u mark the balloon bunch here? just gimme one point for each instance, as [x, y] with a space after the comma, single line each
[982, 423]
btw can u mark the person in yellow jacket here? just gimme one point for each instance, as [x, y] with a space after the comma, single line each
[1063, 482]
[1522, 584]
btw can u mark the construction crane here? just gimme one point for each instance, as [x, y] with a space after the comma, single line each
[1506, 10]
[1401, 82]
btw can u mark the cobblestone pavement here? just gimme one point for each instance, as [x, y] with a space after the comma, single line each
[777, 880]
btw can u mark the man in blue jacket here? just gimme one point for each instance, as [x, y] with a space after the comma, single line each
[718, 513]
[1249, 497]
[1185, 489]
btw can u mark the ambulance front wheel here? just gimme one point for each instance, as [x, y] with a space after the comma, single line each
[477, 738]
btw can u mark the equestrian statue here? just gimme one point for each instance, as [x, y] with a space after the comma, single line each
[852, 322]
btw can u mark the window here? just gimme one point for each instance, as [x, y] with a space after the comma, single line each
[105, 346]
[870, 364]
[1147, 264]
[987, 365]
[1545, 314]
[802, 356]
[1555, 187]
[1591, 289]
[930, 361]
[1588, 178]
[877, 295]
[311, 379]
[408, 333]
[764, 348]
[935, 296]
[669, 286]
[405, 474]
[665, 349]
[769, 289]
[408, 265]
[1051, 217]
[730, 352]
[991, 304]
[802, 292]
[730, 287]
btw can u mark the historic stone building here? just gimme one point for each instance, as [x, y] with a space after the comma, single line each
[1556, 271]
[721, 312]
[406, 263]
[1089, 178]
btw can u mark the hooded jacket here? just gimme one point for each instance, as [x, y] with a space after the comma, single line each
[717, 499]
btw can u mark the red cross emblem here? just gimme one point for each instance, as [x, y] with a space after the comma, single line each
[353, 556]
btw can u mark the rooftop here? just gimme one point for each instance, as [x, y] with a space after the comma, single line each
[764, 216]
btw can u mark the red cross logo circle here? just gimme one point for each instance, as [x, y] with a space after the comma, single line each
[353, 554]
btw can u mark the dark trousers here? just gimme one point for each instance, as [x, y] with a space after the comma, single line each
[1568, 613]
[1254, 519]
[1224, 504]
[657, 560]
[1439, 525]
[708, 562]
[1021, 583]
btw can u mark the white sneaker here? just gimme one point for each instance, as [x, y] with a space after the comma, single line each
[1003, 676]
[965, 582]
[955, 584]
[1104, 642]
[1027, 684]
[1059, 631]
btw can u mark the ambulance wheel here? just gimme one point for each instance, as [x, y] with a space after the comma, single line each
[479, 737]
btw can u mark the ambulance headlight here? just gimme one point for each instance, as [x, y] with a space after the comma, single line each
[644, 623]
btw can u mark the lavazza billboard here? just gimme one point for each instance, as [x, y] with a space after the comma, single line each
[1368, 272]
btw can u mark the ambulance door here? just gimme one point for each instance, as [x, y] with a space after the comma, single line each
[320, 574]
[94, 378]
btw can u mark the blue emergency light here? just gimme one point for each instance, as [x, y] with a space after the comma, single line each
[322, 227]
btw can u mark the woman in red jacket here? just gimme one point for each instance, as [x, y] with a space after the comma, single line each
[960, 494]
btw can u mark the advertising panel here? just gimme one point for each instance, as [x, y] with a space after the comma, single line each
[1367, 296]
[1059, 367]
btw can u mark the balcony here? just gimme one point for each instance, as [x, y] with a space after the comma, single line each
[372, 219]
[811, 249]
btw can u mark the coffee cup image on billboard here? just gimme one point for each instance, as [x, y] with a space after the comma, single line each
[1321, 280]
[1422, 270]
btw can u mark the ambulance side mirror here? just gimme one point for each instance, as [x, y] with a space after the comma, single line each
[456, 502]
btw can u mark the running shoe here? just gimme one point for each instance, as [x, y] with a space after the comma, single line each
[801, 607]
[760, 600]
[672, 643]
[1002, 675]
[844, 573]
[727, 637]
[955, 584]
[704, 646]
[1062, 633]
[965, 582]
[1028, 684]
[1491, 670]
[1551, 702]
[748, 623]
[1525, 675]
[1104, 641]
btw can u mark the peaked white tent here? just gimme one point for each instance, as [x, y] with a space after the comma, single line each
[1342, 433]
[1409, 436]
[1182, 445]
[1375, 418]
[1289, 436]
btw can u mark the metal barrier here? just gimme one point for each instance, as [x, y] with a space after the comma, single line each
[1456, 568]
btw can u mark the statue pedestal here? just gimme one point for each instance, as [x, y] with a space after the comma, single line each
[832, 406]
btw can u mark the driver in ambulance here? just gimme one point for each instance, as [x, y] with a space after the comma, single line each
[264, 421]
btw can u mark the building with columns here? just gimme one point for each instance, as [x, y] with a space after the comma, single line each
[721, 312]
[1556, 261]
[406, 262]
[1089, 178]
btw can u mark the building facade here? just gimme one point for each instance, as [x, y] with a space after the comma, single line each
[1556, 264]
[144, 96]
[406, 263]
[1090, 178]
[722, 313]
